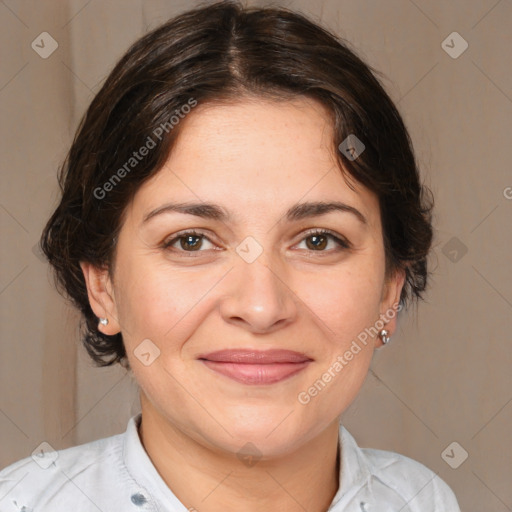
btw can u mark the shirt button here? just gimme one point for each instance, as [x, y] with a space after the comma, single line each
[138, 499]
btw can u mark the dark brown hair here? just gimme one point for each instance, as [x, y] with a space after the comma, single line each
[222, 52]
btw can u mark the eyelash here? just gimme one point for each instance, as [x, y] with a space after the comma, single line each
[342, 243]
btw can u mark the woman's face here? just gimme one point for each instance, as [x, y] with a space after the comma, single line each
[254, 279]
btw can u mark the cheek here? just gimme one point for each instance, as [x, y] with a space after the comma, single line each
[346, 301]
[345, 306]
[160, 303]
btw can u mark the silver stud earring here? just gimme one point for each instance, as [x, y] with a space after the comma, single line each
[384, 336]
[104, 321]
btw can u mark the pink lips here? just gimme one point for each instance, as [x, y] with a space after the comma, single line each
[254, 366]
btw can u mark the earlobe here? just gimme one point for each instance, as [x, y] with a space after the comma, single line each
[390, 306]
[101, 297]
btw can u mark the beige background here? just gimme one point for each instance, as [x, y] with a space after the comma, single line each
[446, 375]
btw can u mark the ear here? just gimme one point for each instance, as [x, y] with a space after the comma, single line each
[389, 305]
[101, 297]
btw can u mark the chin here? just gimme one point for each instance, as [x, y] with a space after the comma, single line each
[269, 435]
[258, 444]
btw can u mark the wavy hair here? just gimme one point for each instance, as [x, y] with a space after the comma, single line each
[222, 52]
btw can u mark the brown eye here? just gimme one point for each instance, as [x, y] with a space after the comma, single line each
[189, 241]
[318, 241]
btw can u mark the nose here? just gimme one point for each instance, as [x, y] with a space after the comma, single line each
[259, 298]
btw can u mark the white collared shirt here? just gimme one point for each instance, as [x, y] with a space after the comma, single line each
[116, 474]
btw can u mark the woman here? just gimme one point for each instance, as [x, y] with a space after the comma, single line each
[241, 220]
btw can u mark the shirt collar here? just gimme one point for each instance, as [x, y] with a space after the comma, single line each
[141, 468]
[353, 471]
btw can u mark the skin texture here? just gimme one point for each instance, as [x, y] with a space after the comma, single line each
[255, 158]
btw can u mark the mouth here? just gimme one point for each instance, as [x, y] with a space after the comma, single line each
[256, 367]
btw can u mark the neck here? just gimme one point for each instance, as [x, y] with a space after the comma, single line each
[209, 480]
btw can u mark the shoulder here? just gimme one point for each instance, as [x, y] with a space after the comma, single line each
[421, 487]
[52, 480]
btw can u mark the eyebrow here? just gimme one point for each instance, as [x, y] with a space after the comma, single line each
[297, 212]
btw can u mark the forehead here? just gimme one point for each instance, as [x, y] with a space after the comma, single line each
[263, 134]
[254, 156]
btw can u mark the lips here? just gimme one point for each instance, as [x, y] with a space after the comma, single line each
[255, 367]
